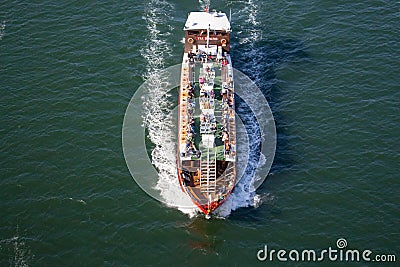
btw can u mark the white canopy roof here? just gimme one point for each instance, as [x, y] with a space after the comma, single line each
[201, 21]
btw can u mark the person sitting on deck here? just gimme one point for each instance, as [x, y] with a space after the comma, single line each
[214, 128]
[192, 149]
[202, 118]
[224, 93]
[210, 57]
[201, 80]
[198, 55]
[190, 110]
[230, 102]
[204, 55]
[191, 94]
[190, 128]
[227, 147]
[225, 136]
[189, 137]
[212, 94]
[186, 178]
[190, 56]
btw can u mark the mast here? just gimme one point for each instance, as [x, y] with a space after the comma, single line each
[208, 35]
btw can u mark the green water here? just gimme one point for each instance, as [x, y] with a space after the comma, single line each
[68, 70]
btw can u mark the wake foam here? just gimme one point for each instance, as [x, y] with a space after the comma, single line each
[2, 29]
[157, 120]
[244, 194]
[204, 4]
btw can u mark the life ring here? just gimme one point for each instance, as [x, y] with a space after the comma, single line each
[190, 40]
[223, 41]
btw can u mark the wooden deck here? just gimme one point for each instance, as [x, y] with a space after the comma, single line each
[210, 167]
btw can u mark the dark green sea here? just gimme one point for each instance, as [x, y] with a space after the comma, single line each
[68, 69]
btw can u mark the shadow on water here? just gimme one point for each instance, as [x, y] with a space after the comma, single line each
[204, 235]
[259, 60]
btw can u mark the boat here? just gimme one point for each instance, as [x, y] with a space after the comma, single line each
[206, 152]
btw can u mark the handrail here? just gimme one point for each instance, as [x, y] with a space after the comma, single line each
[208, 170]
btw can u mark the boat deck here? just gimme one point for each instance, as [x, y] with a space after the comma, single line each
[207, 129]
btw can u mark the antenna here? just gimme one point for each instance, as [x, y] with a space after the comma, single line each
[230, 15]
[208, 35]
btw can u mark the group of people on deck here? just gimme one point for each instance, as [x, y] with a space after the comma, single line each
[188, 123]
[202, 56]
[207, 93]
[227, 113]
[208, 123]
[190, 147]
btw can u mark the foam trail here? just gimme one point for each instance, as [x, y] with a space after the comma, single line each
[20, 253]
[157, 120]
[204, 4]
[2, 29]
[244, 194]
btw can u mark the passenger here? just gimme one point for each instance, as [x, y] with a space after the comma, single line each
[191, 89]
[227, 147]
[230, 102]
[202, 117]
[224, 93]
[225, 136]
[213, 128]
[212, 94]
[212, 119]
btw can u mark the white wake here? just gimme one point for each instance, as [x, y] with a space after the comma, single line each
[157, 106]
